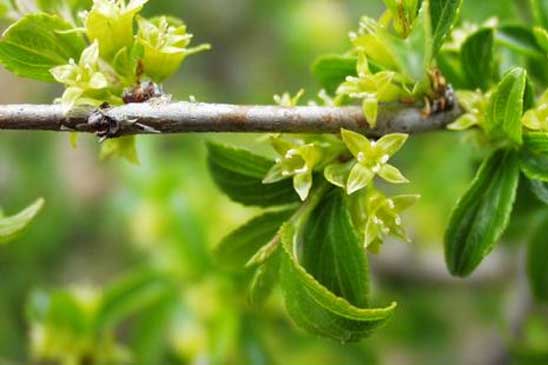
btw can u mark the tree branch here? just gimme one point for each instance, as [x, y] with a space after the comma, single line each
[185, 117]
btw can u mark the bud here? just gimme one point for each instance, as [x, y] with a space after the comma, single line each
[110, 22]
[165, 41]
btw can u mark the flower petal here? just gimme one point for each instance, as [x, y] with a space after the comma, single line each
[370, 108]
[358, 144]
[392, 175]
[360, 177]
[275, 174]
[391, 143]
[337, 173]
[404, 202]
[302, 184]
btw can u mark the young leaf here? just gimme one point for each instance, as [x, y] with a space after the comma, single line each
[443, 15]
[537, 263]
[36, 43]
[11, 227]
[477, 58]
[519, 39]
[130, 295]
[505, 107]
[331, 71]
[314, 308]
[236, 249]
[482, 214]
[332, 252]
[534, 156]
[240, 173]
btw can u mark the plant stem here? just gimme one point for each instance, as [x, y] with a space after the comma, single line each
[185, 117]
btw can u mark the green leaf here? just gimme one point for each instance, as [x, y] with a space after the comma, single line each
[534, 156]
[60, 312]
[477, 58]
[264, 280]
[236, 249]
[540, 12]
[11, 227]
[239, 174]
[316, 309]
[519, 39]
[332, 70]
[123, 147]
[131, 295]
[35, 44]
[333, 253]
[540, 189]
[482, 214]
[443, 15]
[505, 107]
[537, 262]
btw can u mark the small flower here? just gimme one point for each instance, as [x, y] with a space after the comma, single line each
[382, 217]
[537, 119]
[372, 88]
[474, 104]
[404, 13]
[87, 82]
[288, 101]
[298, 160]
[110, 22]
[165, 42]
[370, 159]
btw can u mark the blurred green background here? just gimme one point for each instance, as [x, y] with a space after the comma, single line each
[107, 221]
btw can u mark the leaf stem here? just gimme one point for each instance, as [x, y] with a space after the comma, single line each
[300, 214]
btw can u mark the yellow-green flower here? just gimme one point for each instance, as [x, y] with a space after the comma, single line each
[87, 81]
[298, 160]
[381, 216]
[370, 160]
[165, 42]
[537, 119]
[110, 22]
[372, 88]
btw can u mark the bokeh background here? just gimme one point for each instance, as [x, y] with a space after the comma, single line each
[107, 220]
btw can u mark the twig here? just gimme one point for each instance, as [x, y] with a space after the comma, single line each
[185, 117]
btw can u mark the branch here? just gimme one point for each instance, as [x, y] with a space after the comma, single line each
[185, 117]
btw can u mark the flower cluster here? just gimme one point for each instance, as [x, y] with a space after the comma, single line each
[118, 58]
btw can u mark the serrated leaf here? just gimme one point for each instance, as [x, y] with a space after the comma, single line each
[443, 15]
[35, 44]
[131, 295]
[333, 253]
[11, 227]
[477, 58]
[239, 174]
[264, 280]
[316, 309]
[332, 70]
[505, 107]
[519, 39]
[482, 214]
[537, 262]
[534, 156]
[236, 249]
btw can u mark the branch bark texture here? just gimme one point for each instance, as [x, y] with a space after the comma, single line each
[186, 117]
